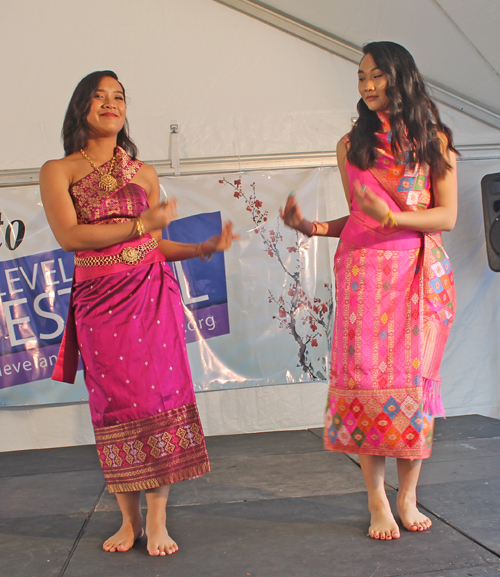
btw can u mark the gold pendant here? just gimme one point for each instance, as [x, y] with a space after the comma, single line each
[107, 182]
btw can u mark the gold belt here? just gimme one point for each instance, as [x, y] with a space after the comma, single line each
[129, 255]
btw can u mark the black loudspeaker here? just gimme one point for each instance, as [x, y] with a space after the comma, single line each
[490, 190]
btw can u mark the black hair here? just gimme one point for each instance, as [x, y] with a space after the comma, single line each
[413, 116]
[75, 130]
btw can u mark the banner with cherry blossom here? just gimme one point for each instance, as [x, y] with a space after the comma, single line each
[259, 314]
[279, 283]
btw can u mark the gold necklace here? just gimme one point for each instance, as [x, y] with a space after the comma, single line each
[106, 181]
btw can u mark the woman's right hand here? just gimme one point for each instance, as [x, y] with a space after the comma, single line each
[160, 216]
[292, 216]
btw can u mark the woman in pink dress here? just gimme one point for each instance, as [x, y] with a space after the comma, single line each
[395, 298]
[125, 319]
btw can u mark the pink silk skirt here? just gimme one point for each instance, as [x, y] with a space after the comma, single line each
[131, 337]
[376, 394]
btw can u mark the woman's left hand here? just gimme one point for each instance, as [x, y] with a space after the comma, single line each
[222, 241]
[370, 203]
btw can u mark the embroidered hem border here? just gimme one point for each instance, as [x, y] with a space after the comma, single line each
[418, 452]
[386, 422]
[154, 451]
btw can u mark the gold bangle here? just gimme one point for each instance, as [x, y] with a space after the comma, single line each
[139, 227]
[204, 257]
[389, 220]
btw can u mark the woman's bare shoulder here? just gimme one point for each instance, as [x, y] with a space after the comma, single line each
[149, 170]
[444, 144]
[61, 172]
[147, 177]
[343, 144]
[443, 139]
[59, 167]
[341, 147]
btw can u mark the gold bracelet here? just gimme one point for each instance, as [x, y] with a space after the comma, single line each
[204, 257]
[389, 220]
[139, 227]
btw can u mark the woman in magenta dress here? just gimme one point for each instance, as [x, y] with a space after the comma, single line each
[125, 318]
[395, 298]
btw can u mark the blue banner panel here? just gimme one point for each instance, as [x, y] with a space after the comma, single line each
[203, 284]
[35, 292]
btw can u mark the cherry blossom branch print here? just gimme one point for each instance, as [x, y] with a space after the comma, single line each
[307, 319]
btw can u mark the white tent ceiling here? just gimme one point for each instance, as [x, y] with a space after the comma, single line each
[455, 42]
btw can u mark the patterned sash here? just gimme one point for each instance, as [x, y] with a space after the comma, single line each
[411, 190]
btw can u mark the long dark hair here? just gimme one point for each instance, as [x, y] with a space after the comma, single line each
[75, 130]
[413, 116]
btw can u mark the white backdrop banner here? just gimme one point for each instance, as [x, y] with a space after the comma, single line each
[277, 286]
[259, 314]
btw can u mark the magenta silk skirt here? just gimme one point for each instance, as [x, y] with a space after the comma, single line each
[131, 337]
[376, 397]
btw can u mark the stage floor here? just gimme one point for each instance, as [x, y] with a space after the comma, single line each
[275, 504]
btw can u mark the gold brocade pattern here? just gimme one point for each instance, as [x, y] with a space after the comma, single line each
[93, 204]
[154, 451]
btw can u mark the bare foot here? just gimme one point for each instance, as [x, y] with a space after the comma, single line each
[124, 538]
[411, 518]
[383, 525]
[159, 541]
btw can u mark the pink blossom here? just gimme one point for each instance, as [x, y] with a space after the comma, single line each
[270, 253]
[314, 343]
[221, 181]
[237, 182]
[282, 313]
